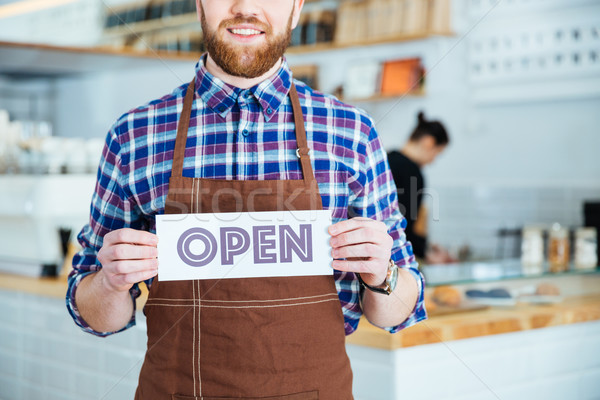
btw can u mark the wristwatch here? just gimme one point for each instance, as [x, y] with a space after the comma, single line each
[390, 280]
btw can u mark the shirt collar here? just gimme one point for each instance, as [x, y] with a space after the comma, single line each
[221, 96]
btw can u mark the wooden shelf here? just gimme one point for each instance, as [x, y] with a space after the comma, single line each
[25, 60]
[319, 47]
[152, 25]
[380, 97]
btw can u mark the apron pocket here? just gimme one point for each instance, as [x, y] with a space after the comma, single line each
[313, 395]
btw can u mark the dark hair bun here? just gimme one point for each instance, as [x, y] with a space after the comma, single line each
[430, 128]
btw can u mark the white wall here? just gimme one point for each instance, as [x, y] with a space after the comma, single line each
[89, 105]
[73, 24]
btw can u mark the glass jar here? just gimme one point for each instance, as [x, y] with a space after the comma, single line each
[532, 251]
[586, 245]
[558, 248]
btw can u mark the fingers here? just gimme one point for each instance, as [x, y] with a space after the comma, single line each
[121, 275]
[367, 250]
[133, 266]
[128, 256]
[355, 223]
[131, 236]
[361, 235]
[127, 280]
[131, 252]
[361, 245]
[124, 282]
[360, 265]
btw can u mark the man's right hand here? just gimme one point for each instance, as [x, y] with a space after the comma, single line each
[127, 256]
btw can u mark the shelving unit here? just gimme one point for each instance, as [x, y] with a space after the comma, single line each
[44, 61]
[332, 26]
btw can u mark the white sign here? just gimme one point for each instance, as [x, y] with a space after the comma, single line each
[243, 245]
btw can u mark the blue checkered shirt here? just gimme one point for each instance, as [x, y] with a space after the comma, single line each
[244, 134]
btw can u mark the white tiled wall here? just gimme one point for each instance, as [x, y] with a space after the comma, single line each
[43, 355]
[473, 215]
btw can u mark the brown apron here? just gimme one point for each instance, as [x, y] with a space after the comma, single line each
[256, 338]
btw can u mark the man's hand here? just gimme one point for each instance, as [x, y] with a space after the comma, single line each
[127, 256]
[366, 246]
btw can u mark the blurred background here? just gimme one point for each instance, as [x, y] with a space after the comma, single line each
[516, 83]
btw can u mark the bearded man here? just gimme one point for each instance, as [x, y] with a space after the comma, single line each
[243, 135]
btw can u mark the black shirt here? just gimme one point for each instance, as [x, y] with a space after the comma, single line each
[410, 183]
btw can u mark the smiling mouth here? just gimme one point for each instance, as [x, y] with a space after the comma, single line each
[246, 32]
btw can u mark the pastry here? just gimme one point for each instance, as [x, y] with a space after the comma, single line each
[446, 296]
[547, 289]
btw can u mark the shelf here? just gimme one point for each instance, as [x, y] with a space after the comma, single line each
[381, 97]
[319, 47]
[295, 50]
[152, 25]
[27, 61]
[186, 19]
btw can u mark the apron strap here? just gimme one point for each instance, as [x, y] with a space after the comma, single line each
[303, 149]
[182, 131]
[184, 123]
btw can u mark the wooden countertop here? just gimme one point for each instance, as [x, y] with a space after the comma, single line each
[49, 287]
[491, 321]
[436, 329]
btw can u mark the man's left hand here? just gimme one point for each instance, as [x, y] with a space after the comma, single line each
[366, 246]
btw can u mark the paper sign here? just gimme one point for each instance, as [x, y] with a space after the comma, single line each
[243, 245]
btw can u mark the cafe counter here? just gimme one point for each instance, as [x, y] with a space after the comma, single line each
[517, 351]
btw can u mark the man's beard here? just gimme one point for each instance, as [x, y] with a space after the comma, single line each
[246, 61]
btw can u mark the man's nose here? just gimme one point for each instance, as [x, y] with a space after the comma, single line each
[245, 8]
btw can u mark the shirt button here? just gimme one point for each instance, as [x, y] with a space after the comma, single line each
[245, 132]
[221, 109]
[269, 110]
[248, 95]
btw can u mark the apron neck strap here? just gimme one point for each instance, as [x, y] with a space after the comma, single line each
[184, 123]
[182, 130]
[303, 149]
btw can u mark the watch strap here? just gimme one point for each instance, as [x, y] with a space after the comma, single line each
[387, 289]
[384, 290]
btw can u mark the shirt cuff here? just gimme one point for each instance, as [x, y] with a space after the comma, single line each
[74, 282]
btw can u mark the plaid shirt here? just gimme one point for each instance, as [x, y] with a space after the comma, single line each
[247, 135]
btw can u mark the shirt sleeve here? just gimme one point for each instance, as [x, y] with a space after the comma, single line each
[110, 210]
[376, 198]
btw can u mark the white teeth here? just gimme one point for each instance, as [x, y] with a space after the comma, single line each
[245, 32]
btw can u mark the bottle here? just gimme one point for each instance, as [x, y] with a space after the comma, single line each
[558, 249]
[532, 251]
[586, 247]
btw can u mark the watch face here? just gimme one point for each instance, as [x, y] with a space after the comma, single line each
[392, 279]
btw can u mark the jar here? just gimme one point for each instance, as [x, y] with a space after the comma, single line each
[532, 250]
[558, 248]
[586, 247]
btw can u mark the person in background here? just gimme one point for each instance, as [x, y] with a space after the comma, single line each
[425, 143]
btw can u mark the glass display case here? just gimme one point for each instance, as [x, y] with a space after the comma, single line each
[490, 271]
